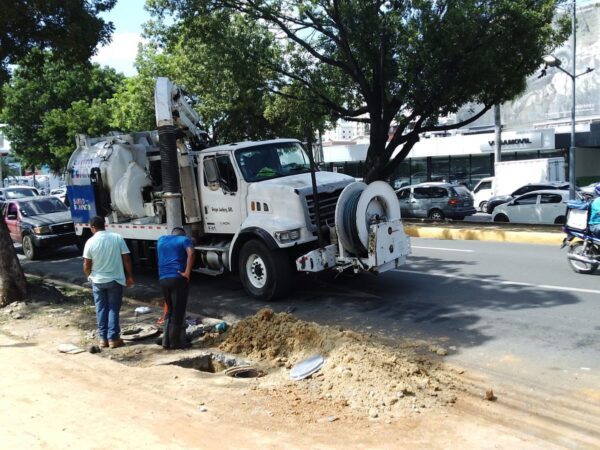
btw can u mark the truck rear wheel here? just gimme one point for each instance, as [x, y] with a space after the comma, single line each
[266, 274]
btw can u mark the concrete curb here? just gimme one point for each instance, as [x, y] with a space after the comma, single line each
[478, 234]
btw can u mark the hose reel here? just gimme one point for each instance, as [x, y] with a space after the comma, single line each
[358, 207]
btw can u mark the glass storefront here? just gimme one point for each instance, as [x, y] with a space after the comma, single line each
[464, 169]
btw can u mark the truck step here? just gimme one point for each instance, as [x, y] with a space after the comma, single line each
[211, 272]
[209, 248]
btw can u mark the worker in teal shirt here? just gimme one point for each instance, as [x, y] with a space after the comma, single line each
[594, 221]
[175, 262]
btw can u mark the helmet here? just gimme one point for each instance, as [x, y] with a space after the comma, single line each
[597, 189]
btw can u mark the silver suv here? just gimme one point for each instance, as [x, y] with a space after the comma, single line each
[436, 201]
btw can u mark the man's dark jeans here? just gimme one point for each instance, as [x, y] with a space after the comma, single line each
[175, 291]
[108, 298]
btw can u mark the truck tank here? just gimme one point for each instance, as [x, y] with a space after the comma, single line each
[120, 169]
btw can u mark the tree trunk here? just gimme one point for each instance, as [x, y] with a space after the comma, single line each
[13, 286]
[376, 154]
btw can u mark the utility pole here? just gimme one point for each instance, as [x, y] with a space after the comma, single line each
[498, 137]
[572, 160]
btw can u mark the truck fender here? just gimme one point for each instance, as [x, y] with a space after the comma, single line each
[244, 236]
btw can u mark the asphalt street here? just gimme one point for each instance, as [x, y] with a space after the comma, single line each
[506, 310]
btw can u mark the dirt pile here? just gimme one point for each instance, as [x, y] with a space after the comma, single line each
[378, 380]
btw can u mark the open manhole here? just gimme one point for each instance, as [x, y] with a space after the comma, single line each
[217, 363]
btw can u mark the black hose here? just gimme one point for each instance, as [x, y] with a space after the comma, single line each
[167, 141]
[350, 226]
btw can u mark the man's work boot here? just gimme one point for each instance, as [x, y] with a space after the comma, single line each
[116, 343]
[103, 343]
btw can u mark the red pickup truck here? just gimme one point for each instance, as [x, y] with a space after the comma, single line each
[39, 223]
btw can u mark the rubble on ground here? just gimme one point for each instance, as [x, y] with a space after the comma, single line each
[382, 381]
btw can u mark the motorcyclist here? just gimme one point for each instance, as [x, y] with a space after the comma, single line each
[594, 221]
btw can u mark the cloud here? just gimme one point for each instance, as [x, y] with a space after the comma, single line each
[120, 53]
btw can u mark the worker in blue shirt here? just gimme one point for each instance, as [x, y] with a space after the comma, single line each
[594, 221]
[175, 262]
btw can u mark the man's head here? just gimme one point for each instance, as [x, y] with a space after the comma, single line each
[97, 224]
[178, 231]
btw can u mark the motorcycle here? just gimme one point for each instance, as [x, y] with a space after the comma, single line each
[584, 248]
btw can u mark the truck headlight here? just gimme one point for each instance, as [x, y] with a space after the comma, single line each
[287, 236]
[41, 230]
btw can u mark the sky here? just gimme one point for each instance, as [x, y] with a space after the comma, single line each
[127, 17]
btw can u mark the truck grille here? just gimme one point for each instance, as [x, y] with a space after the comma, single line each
[327, 204]
[62, 228]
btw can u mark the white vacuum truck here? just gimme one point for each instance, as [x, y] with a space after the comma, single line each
[250, 207]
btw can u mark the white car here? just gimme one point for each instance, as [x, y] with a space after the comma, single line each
[547, 206]
[60, 193]
[482, 193]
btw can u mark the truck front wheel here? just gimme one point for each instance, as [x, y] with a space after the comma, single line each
[266, 274]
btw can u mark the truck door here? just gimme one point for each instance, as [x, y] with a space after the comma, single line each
[221, 198]
[12, 221]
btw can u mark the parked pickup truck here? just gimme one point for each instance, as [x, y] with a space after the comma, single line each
[39, 223]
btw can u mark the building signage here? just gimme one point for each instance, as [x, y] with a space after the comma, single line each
[514, 140]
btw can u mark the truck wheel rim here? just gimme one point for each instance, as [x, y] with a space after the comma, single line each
[256, 271]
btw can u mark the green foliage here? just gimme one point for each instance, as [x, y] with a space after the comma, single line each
[406, 63]
[59, 126]
[71, 28]
[230, 62]
[46, 105]
[132, 107]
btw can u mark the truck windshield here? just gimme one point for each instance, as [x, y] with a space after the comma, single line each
[41, 206]
[272, 161]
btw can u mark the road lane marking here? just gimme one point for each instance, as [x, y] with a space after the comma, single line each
[445, 249]
[548, 287]
[562, 288]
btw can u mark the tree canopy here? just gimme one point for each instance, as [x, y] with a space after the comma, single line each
[229, 62]
[71, 28]
[402, 65]
[46, 105]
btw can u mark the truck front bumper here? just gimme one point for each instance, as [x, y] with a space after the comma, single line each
[54, 240]
[387, 249]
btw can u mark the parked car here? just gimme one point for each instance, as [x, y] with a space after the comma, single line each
[589, 190]
[13, 192]
[39, 223]
[498, 200]
[60, 193]
[436, 201]
[482, 193]
[547, 206]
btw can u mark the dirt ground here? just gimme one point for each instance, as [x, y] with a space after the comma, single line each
[366, 395]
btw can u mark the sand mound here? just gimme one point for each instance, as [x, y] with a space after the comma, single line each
[377, 379]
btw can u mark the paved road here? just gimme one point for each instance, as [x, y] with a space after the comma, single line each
[505, 309]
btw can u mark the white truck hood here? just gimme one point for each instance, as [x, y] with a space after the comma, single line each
[302, 184]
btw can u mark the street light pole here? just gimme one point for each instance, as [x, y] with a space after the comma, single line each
[572, 159]
[552, 61]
